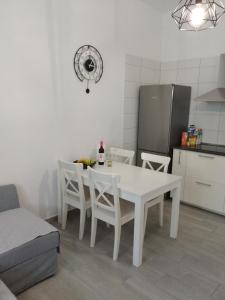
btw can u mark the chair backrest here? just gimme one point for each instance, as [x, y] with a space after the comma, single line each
[161, 161]
[122, 155]
[71, 180]
[104, 192]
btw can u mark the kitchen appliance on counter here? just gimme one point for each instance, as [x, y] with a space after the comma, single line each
[163, 115]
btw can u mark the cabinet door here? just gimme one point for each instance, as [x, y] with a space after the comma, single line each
[206, 166]
[205, 194]
[179, 167]
[179, 162]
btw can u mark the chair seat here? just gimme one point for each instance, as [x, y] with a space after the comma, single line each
[126, 208]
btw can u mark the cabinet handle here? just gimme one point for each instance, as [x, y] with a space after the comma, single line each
[202, 183]
[179, 160]
[206, 156]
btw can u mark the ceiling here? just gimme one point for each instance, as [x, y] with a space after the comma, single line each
[163, 5]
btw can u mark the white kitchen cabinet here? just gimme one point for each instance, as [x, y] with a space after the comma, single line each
[205, 166]
[203, 179]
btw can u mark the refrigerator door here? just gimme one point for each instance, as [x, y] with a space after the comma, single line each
[155, 106]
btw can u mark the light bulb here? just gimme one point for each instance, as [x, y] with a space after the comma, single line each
[198, 15]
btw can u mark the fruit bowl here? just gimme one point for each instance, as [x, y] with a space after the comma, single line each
[86, 163]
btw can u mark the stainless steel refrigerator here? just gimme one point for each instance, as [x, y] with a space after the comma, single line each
[163, 115]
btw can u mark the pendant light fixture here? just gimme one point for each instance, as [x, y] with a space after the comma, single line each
[196, 15]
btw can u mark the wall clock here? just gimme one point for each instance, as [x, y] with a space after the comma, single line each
[88, 65]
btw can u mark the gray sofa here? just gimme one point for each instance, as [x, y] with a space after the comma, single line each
[28, 244]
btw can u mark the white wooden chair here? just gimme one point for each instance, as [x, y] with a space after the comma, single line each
[73, 192]
[122, 155]
[162, 163]
[107, 206]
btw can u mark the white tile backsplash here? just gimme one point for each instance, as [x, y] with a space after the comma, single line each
[147, 76]
[201, 74]
[189, 63]
[133, 60]
[132, 73]
[221, 137]
[187, 76]
[131, 89]
[169, 65]
[193, 106]
[222, 108]
[209, 107]
[210, 136]
[130, 146]
[151, 64]
[168, 76]
[130, 135]
[138, 71]
[210, 61]
[130, 121]
[131, 105]
[194, 90]
[209, 121]
[222, 122]
[208, 74]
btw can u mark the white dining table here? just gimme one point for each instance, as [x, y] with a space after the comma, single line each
[139, 185]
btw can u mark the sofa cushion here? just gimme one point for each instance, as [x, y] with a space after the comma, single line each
[28, 251]
[8, 197]
[19, 226]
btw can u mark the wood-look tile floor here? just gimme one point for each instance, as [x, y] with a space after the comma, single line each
[191, 267]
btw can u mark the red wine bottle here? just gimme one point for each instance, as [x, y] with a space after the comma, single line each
[101, 154]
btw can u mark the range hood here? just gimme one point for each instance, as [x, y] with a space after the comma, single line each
[217, 94]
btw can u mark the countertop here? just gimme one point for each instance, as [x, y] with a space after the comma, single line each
[205, 148]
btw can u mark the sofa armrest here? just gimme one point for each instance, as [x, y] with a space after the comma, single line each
[8, 197]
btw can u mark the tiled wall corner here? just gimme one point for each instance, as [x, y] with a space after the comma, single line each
[138, 71]
[202, 74]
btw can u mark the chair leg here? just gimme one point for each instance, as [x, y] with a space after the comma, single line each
[93, 230]
[161, 208]
[64, 215]
[82, 223]
[116, 241]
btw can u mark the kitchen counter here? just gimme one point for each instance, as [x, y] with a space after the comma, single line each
[205, 148]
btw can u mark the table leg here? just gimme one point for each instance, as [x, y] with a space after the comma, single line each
[175, 211]
[138, 233]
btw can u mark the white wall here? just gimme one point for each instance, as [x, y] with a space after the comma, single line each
[186, 45]
[139, 28]
[27, 114]
[85, 119]
[45, 113]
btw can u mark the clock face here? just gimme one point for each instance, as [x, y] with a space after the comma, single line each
[88, 63]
